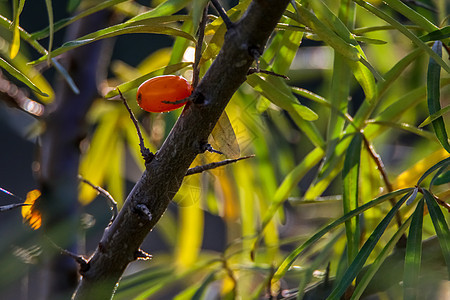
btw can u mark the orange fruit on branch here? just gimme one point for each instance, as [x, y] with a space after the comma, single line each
[152, 93]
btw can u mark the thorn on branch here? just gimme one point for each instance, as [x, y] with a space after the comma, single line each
[145, 152]
[111, 202]
[203, 168]
[255, 70]
[223, 14]
[207, 147]
[143, 211]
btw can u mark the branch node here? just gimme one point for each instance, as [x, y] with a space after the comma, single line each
[143, 211]
[207, 147]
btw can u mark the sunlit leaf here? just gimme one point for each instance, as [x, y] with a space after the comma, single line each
[288, 261]
[20, 76]
[440, 225]
[225, 138]
[434, 95]
[15, 44]
[30, 214]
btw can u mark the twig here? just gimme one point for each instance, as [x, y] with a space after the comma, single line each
[111, 202]
[145, 152]
[12, 206]
[439, 201]
[222, 13]
[255, 70]
[377, 159]
[203, 168]
[83, 262]
[198, 47]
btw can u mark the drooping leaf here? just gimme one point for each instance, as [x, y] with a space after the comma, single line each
[350, 176]
[434, 95]
[20, 76]
[413, 256]
[440, 225]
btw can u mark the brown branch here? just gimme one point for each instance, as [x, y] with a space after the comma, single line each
[164, 174]
[12, 206]
[213, 165]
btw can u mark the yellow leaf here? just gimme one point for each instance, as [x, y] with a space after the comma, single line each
[30, 214]
[225, 138]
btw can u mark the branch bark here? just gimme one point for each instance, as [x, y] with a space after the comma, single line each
[163, 176]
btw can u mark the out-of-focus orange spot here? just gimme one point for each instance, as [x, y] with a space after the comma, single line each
[30, 214]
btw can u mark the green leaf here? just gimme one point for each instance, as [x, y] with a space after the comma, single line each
[288, 261]
[72, 5]
[166, 8]
[365, 251]
[442, 179]
[435, 116]
[158, 25]
[442, 163]
[440, 225]
[133, 84]
[350, 177]
[411, 14]
[439, 34]
[48, 5]
[67, 21]
[413, 256]
[434, 95]
[205, 283]
[364, 281]
[382, 15]
[15, 44]
[20, 76]
[276, 90]
[346, 49]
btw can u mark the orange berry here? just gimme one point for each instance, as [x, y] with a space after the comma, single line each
[151, 94]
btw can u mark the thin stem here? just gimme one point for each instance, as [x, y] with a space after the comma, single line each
[203, 168]
[146, 154]
[111, 202]
[222, 13]
[198, 47]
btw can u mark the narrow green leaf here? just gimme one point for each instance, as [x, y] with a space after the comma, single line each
[48, 5]
[166, 8]
[15, 44]
[364, 281]
[20, 76]
[413, 256]
[439, 34]
[365, 251]
[158, 25]
[205, 283]
[442, 179]
[442, 163]
[67, 21]
[435, 116]
[72, 5]
[434, 95]
[440, 225]
[277, 91]
[437, 176]
[346, 49]
[288, 261]
[350, 177]
[382, 15]
[411, 14]
[290, 182]
[133, 84]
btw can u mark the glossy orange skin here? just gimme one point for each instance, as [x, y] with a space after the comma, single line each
[151, 94]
